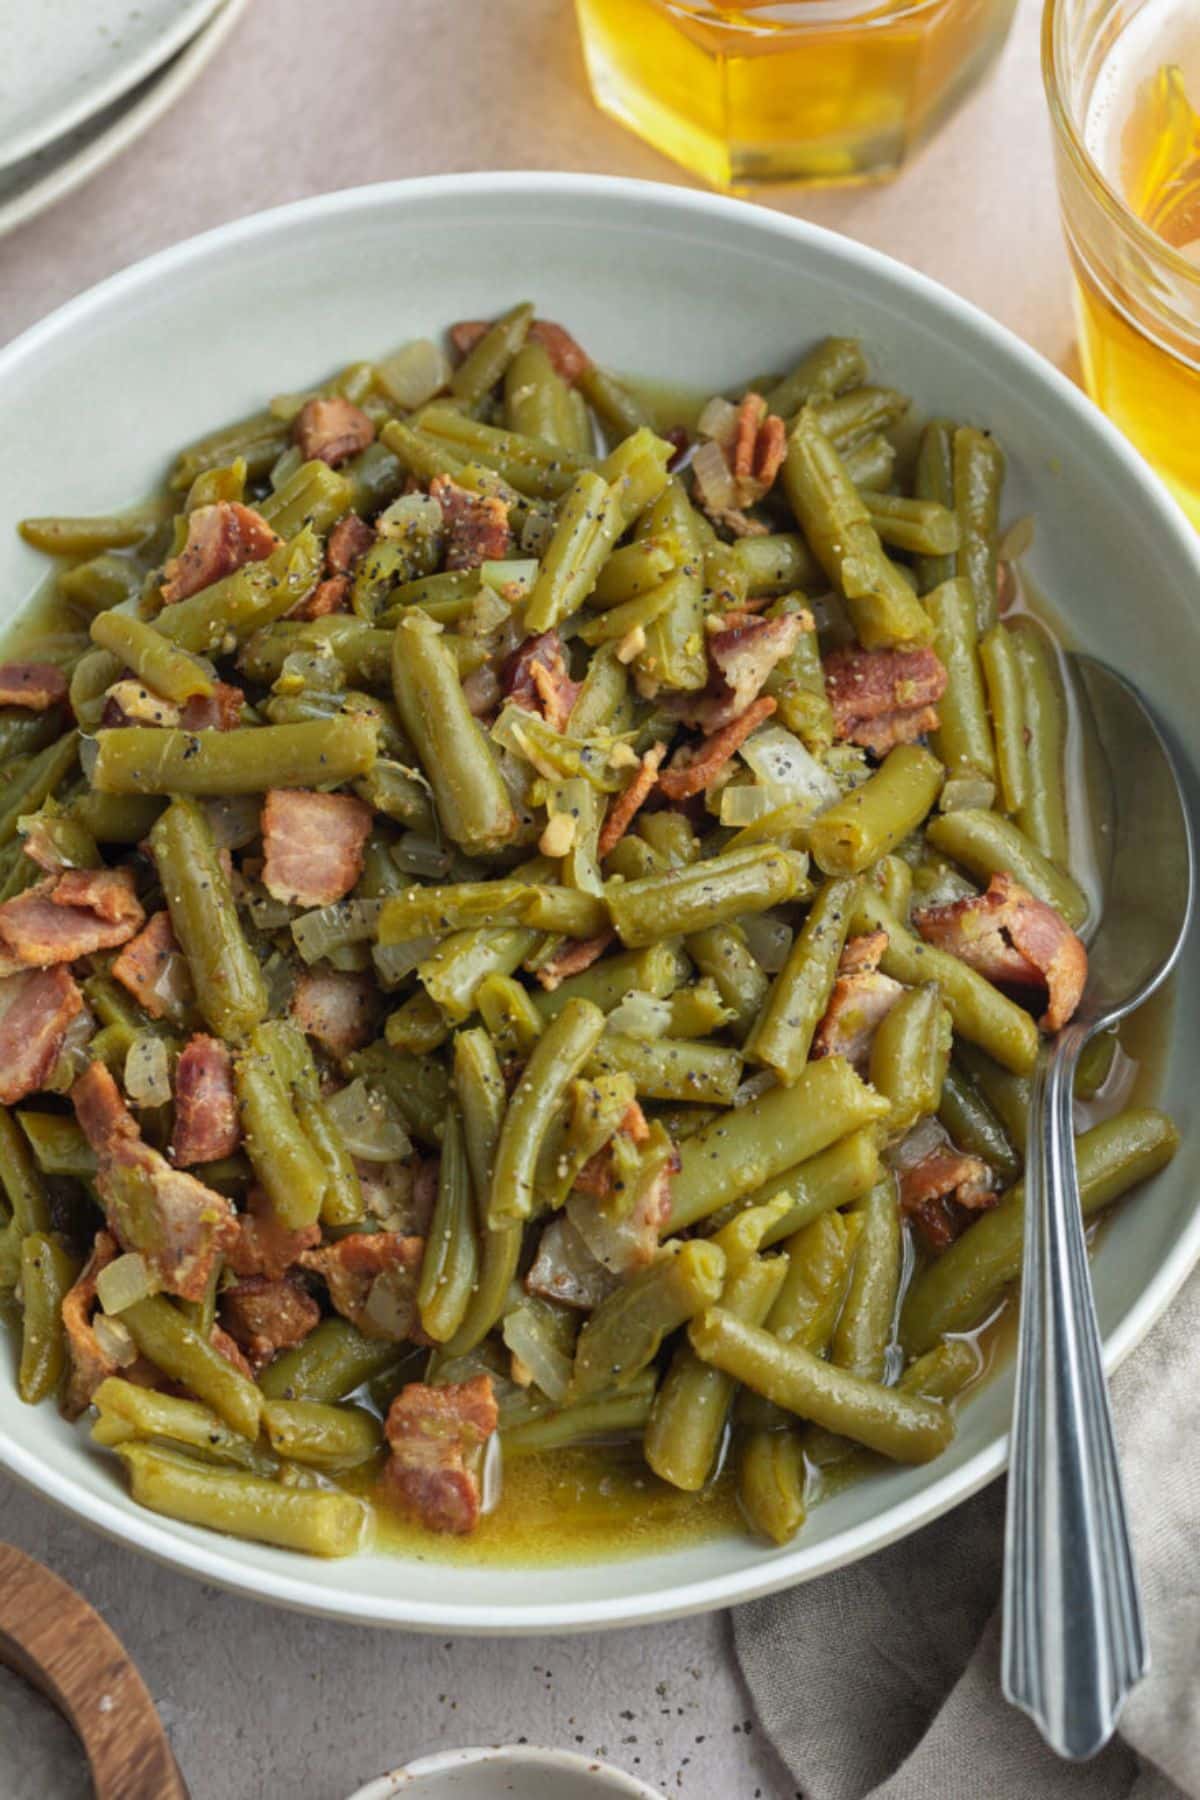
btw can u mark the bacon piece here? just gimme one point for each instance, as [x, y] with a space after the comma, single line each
[1013, 939]
[207, 1126]
[37, 686]
[536, 677]
[36, 1007]
[625, 806]
[263, 1316]
[329, 596]
[634, 1125]
[941, 1191]
[180, 1226]
[436, 1436]
[569, 358]
[861, 999]
[262, 1245]
[154, 968]
[220, 538]
[219, 711]
[132, 703]
[573, 958]
[90, 1362]
[337, 1009]
[331, 429]
[881, 698]
[312, 844]
[741, 656]
[69, 915]
[758, 449]
[348, 540]
[476, 524]
[693, 769]
[372, 1280]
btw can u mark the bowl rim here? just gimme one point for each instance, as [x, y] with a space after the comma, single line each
[608, 1778]
[208, 1560]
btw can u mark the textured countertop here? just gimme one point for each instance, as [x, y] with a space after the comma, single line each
[306, 97]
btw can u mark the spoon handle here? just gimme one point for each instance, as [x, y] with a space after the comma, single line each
[1074, 1634]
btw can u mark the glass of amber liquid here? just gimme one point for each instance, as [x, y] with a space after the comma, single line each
[1123, 80]
[816, 91]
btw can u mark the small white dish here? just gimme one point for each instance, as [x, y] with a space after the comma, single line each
[37, 181]
[516, 1769]
[61, 61]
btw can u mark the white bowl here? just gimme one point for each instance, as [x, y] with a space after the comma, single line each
[484, 1774]
[701, 290]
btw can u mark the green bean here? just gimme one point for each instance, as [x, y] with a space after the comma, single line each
[365, 653]
[618, 410]
[331, 1362]
[910, 1053]
[292, 1174]
[168, 671]
[479, 1088]
[934, 481]
[740, 1151]
[323, 1436]
[1043, 816]
[893, 878]
[602, 698]
[28, 1202]
[907, 1428]
[707, 893]
[974, 1125]
[978, 479]
[471, 799]
[692, 1405]
[36, 782]
[59, 536]
[870, 466]
[375, 477]
[22, 733]
[864, 1328]
[230, 990]
[58, 1146]
[507, 1010]
[589, 523]
[923, 527]
[316, 1520]
[535, 396]
[1006, 703]
[611, 1415]
[625, 1331]
[314, 495]
[421, 454]
[674, 655]
[834, 1177]
[697, 1011]
[418, 1025]
[163, 1335]
[722, 953]
[967, 1281]
[145, 760]
[1006, 1091]
[797, 682]
[653, 971]
[452, 974]
[485, 363]
[261, 440]
[860, 412]
[556, 1060]
[830, 367]
[771, 1477]
[635, 570]
[838, 527]
[777, 564]
[219, 617]
[872, 819]
[125, 1410]
[451, 1260]
[47, 1274]
[981, 1014]
[635, 615]
[536, 468]
[987, 844]
[800, 993]
[963, 739]
[672, 1068]
[102, 581]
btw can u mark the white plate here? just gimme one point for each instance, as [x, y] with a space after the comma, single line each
[706, 291]
[35, 182]
[63, 60]
[488, 1774]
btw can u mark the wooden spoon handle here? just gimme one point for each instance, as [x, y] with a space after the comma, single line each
[56, 1641]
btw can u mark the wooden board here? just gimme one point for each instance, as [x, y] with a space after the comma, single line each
[56, 1641]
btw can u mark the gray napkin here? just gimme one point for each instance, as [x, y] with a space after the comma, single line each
[882, 1681]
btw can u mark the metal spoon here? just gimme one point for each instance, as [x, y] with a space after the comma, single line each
[1074, 1633]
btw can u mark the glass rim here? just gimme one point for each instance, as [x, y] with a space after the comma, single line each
[1100, 187]
[831, 12]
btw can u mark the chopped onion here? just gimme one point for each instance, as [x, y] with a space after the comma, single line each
[967, 790]
[370, 1124]
[234, 822]
[345, 922]
[415, 854]
[753, 1086]
[718, 420]
[286, 406]
[565, 1269]
[640, 1015]
[412, 515]
[770, 940]
[916, 1145]
[147, 1072]
[280, 978]
[714, 483]
[746, 802]
[1016, 540]
[268, 913]
[781, 761]
[395, 961]
[314, 670]
[535, 1335]
[491, 1475]
[536, 532]
[124, 1282]
[89, 750]
[286, 464]
[114, 1340]
[488, 612]
[391, 1304]
[511, 580]
[415, 373]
